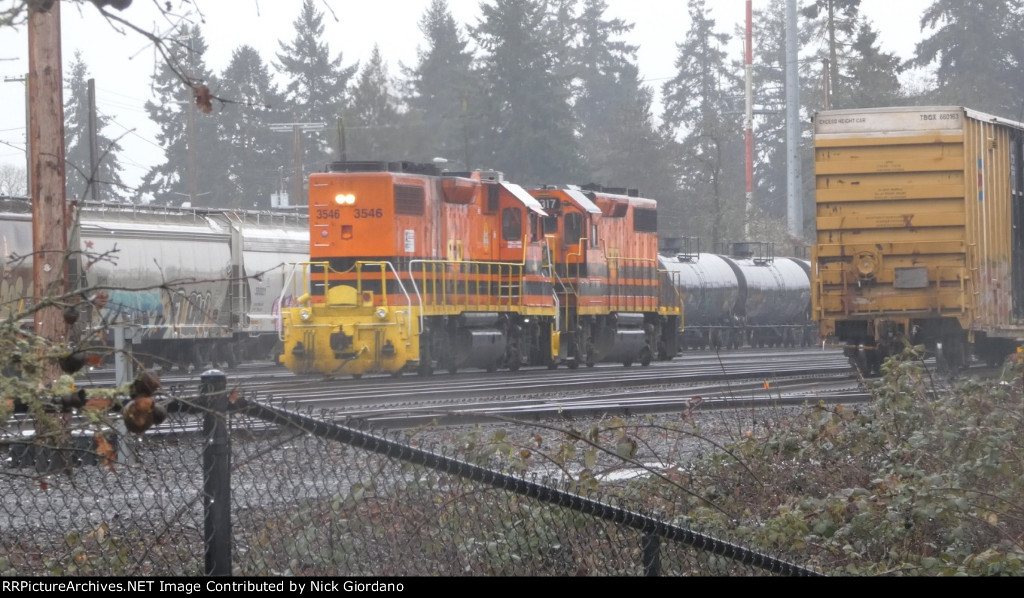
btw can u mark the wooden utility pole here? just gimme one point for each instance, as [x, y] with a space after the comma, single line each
[46, 167]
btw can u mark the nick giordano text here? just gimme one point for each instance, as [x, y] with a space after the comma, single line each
[196, 587]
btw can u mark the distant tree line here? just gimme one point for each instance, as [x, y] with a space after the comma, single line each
[549, 91]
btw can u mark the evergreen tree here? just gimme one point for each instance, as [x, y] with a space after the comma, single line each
[871, 76]
[977, 51]
[619, 141]
[527, 128]
[701, 108]
[256, 155]
[194, 167]
[769, 88]
[441, 90]
[317, 88]
[80, 177]
[372, 123]
[860, 74]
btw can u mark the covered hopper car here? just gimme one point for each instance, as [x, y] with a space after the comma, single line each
[188, 287]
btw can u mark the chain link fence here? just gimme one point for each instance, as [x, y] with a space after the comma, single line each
[231, 486]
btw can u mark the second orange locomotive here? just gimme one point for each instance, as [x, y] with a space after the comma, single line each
[416, 269]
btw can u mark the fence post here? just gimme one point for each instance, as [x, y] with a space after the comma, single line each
[216, 473]
[651, 544]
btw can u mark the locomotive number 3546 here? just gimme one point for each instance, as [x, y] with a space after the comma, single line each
[358, 213]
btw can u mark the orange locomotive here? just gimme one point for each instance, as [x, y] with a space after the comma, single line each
[616, 306]
[416, 269]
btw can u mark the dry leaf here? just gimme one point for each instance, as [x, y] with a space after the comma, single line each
[105, 450]
[204, 99]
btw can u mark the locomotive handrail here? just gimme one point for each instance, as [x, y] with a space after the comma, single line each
[553, 273]
[479, 273]
[387, 265]
[289, 285]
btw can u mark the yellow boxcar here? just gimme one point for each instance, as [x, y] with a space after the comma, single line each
[920, 232]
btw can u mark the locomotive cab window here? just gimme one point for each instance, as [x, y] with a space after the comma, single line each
[645, 221]
[573, 228]
[511, 224]
[550, 225]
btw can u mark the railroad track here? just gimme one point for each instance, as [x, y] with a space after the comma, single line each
[733, 380]
[728, 381]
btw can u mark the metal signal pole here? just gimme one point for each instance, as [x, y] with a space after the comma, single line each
[748, 124]
[794, 179]
[296, 130]
[46, 160]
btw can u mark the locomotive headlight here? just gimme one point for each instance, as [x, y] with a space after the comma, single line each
[345, 199]
[304, 315]
[382, 313]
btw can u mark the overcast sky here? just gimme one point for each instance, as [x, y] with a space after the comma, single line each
[122, 62]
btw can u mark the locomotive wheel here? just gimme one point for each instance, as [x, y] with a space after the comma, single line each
[645, 357]
[425, 367]
[862, 362]
[513, 354]
[552, 365]
[356, 376]
[627, 364]
[573, 364]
